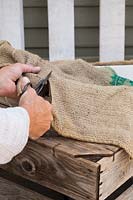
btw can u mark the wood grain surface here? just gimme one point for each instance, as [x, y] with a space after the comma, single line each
[45, 163]
[12, 191]
[115, 171]
[127, 195]
[79, 170]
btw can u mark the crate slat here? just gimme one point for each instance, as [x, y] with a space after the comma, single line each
[126, 195]
[115, 171]
[13, 191]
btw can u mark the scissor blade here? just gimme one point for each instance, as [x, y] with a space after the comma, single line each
[39, 87]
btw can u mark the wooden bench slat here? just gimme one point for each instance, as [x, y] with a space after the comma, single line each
[61, 35]
[112, 30]
[11, 21]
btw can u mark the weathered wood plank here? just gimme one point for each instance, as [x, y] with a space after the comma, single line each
[35, 3]
[126, 195]
[85, 14]
[129, 51]
[39, 37]
[12, 191]
[72, 167]
[114, 172]
[112, 30]
[96, 2]
[80, 52]
[11, 21]
[36, 38]
[87, 52]
[42, 52]
[129, 2]
[129, 15]
[61, 35]
[129, 38]
[91, 53]
[47, 165]
[86, 2]
[35, 17]
[84, 17]
[90, 37]
[77, 148]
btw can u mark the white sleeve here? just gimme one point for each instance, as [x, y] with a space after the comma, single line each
[14, 132]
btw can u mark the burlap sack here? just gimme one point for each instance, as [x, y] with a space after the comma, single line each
[87, 104]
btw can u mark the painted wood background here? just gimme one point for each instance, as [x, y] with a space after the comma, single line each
[86, 28]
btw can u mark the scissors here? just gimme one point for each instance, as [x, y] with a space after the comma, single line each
[42, 87]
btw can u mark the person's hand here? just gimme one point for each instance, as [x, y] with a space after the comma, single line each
[39, 110]
[10, 74]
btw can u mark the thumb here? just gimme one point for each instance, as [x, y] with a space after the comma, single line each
[28, 97]
[21, 83]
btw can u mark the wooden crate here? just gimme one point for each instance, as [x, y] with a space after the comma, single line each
[12, 191]
[127, 195]
[79, 170]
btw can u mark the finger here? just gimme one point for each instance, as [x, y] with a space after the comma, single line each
[10, 91]
[27, 68]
